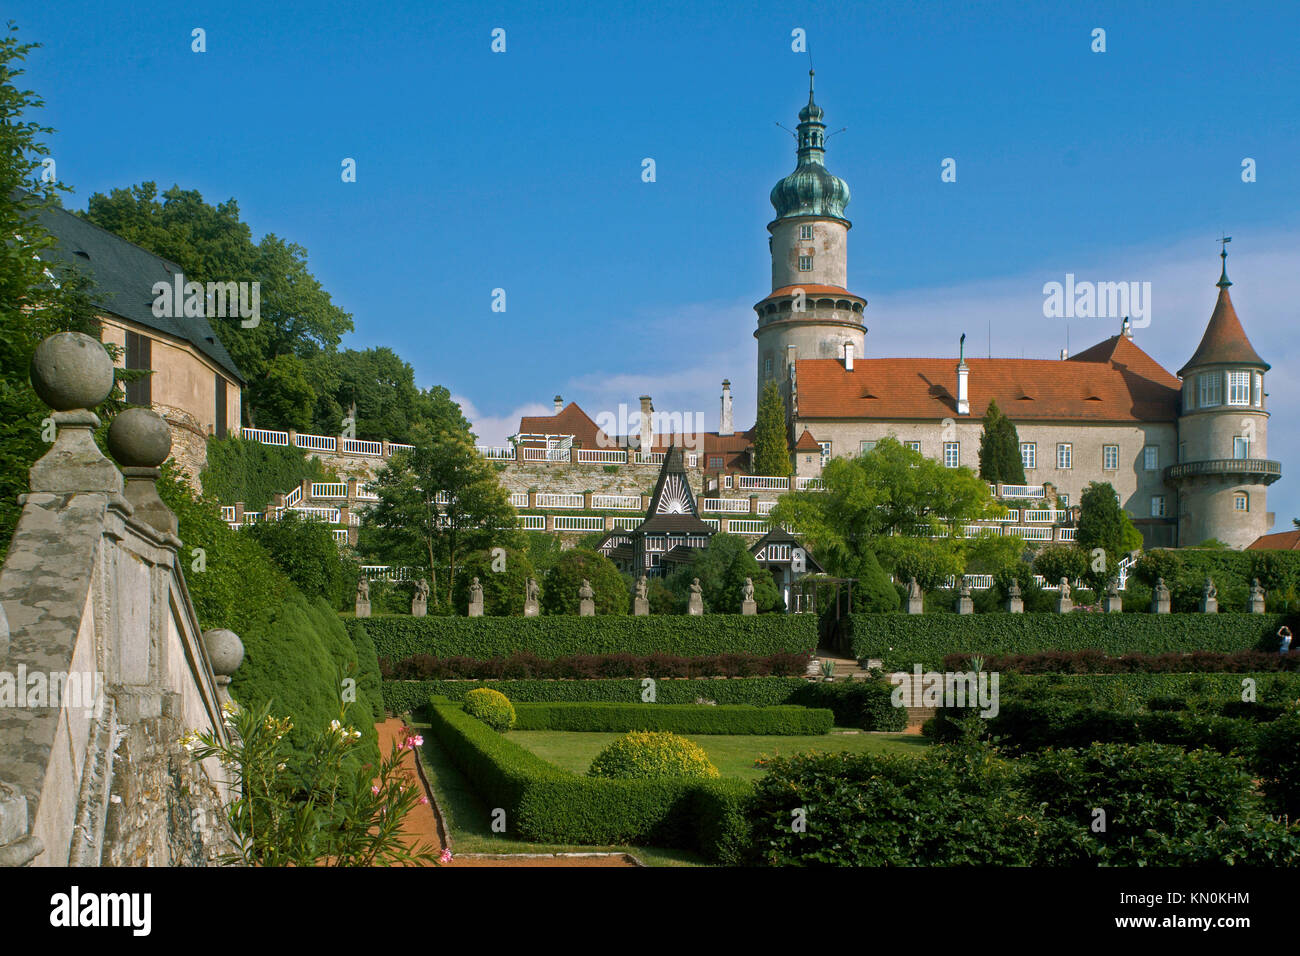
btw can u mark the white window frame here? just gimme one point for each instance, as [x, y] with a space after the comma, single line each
[866, 446]
[1064, 455]
[914, 445]
[1029, 455]
[805, 264]
[767, 368]
[826, 452]
[1238, 388]
[1241, 501]
[1110, 457]
[1157, 506]
[1258, 393]
[1240, 447]
[1209, 389]
[1151, 458]
[952, 454]
[726, 481]
[1182, 452]
[806, 231]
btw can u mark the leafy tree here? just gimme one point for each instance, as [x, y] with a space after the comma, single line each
[305, 550]
[931, 562]
[722, 568]
[377, 382]
[440, 501]
[1058, 561]
[771, 439]
[504, 578]
[560, 588]
[1000, 459]
[1103, 524]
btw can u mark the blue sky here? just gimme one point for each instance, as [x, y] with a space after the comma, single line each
[522, 170]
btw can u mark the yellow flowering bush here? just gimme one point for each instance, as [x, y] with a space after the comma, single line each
[492, 707]
[648, 755]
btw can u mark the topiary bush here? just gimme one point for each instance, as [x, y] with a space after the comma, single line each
[560, 587]
[503, 590]
[873, 592]
[650, 755]
[492, 707]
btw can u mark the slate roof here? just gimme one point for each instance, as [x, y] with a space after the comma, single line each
[124, 275]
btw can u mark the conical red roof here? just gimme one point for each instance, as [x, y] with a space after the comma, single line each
[1224, 341]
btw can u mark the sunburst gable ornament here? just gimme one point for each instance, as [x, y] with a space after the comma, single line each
[676, 497]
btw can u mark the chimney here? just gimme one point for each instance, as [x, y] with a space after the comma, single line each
[725, 426]
[559, 404]
[848, 356]
[1065, 354]
[963, 380]
[647, 425]
[1127, 329]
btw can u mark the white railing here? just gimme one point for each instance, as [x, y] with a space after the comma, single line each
[293, 497]
[329, 489]
[442, 498]
[253, 517]
[738, 526]
[396, 446]
[364, 494]
[713, 523]
[340, 535]
[725, 505]
[572, 523]
[975, 530]
[560, 501]
[976, 582]
[1012, 516]
[1049, 515]
[352, 446]
[650, 458]
[354, 519]
[765, 507]
[1066, 534]
[384, 572]
[808, 484]
[616, 502]
[496, 452]
[329, 515]
[626, 524]
[263, 436]
[546, 454]
[227, 512]
[532, 522]
[316, 442]
[1021, 491]
[761, 483]
[1031, 534]
[519, 499]
[601, 456]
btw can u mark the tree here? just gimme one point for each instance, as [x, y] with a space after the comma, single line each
[504, 578]
[305, 550]
[1000, 459]
[560, 589]
[1103, 524]
[1058, 561]
[722, 568]
[771, 439]
[439, 501]
[872, 589]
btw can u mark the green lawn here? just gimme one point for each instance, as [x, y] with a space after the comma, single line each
[733, 755]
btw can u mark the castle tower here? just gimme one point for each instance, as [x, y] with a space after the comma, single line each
[1222, 472]
[809, 313]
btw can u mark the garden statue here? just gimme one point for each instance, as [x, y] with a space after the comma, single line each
[696, 603]
[1063, 603]
[475, 598]
[964, 603]
[1209, 597]
[586, 599]
[915, 600]
[1256, 605]
[1113, 601]
[420, 600]
[1160, 598]
[641, 601]
[747, 605]
[1015, 603]
[531, 592]
[363, 596]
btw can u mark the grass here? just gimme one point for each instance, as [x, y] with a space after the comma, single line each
[469, 821]
[732, 754]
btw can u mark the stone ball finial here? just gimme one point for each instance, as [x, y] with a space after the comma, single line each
[225, 650]
[139, 438]
[71, 370]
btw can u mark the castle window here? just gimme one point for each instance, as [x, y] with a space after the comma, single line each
[1258, 401]
[826, 452]
[865, 446]
[951, 454]
[139, 355]
[1063, 501]
[715, 462]
[726, 481]
[767, 368]
[914, 445]
[1064, 455]
[1182, 451]
[1029, 455]
[1238, 388]
[1210, 385]
[1110, 457]
[1151, 458]
[805, 232]
[1157, 506]
[1241, 502]
[1240, 446]
[805, 263]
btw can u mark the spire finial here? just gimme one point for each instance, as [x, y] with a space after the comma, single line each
[811, 73]
[1223, 282]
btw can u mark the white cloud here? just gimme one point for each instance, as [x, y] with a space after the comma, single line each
[495, 429]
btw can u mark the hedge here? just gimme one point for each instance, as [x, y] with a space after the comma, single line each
[678, 718]
[526, 665]
[865, 704]
[399, 637]
[545, 804]
[405, 696]
[1036, 726]
[902, 640]
[1134, 690]
[1097, 662]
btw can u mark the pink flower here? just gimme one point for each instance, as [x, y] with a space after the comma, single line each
[425, 801]
[375, 789]
[415, 741]
[445, 856]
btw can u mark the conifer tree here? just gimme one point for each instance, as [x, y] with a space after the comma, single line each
[771, 442]
[1000, 449]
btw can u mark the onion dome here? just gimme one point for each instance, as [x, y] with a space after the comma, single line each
[811, 190]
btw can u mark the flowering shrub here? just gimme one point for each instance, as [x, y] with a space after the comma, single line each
[316, 810]
[492, 707]
[650, 756]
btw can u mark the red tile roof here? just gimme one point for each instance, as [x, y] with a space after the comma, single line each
[571, 420]
[807, 442]
[1112, 381]
[810, 289]
[1280, 541]
[1224, 340]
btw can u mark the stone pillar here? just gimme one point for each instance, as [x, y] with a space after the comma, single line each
[1160, 598]
[964, 603]
[1113, 603]
[586, 500]
[384, 450]
[1255, 605]
[1015, 604]
[293, 438]
[140, 441]
[239, 512]
[753, 504]
[532, 498]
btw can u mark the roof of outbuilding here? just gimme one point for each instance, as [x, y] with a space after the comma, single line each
[124, 275]
[1279, 541]
[571, 420]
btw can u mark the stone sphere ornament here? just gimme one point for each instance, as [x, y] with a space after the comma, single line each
[139, 438]
[225, 650]
[71, 370]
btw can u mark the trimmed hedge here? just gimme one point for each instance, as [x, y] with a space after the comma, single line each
[678, 718]
[865, 704]
[404, 696]
[1036, 726]
[400, 636]
[526, 665]
[1097, 662]
[1125, 691]
[902, 640]
[548, 805]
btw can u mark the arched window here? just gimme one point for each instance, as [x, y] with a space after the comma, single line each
[1241, 502]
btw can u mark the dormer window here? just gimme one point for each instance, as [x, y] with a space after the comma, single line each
[1238, 388]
